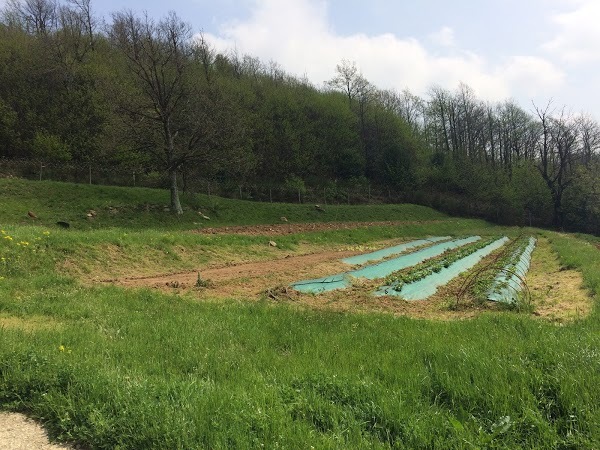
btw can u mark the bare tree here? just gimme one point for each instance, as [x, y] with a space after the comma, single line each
[589, 132]
[35, 16]
[87, 18]
[159, 56]
[557, 152]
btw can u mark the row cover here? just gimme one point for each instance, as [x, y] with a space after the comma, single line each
[425, 287]
[389, 251]
[508, 283]
[380, 270]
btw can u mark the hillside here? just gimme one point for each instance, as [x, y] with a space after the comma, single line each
[137, 329]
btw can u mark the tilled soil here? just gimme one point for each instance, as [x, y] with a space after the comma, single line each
[292, 228]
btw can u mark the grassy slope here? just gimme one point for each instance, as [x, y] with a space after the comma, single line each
[141, 208]
[136, 369]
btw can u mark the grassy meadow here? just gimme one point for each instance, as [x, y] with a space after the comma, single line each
[106, 367]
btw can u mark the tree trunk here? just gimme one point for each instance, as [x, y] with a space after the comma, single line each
[175, 204]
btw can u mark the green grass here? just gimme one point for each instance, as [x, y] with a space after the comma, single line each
[112, 368]
[141, 208]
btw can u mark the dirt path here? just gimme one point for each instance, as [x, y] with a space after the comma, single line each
[249, 279]
[17, 432]
[291, 228]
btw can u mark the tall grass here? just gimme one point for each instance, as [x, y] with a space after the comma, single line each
[128, 369]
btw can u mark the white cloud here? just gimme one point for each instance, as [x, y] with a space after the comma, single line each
[297, 35]
[444, 37]
[579, 33]
[533, 74]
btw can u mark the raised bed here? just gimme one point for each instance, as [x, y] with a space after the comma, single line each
[427, 286]
[380, 270]
[508, 284]
[390, 251]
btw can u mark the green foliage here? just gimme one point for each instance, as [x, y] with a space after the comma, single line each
[48, 146]
[435, 265]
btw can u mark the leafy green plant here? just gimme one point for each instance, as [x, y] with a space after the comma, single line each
[435, 265]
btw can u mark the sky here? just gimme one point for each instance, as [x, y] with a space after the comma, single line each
[526, 50]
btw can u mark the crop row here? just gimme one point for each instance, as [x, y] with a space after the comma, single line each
[435, 265]
[508, 282]
[484, 278]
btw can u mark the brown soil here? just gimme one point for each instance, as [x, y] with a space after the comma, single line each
[557, 294]
[292, 228]
[17, 432]
[248, 279]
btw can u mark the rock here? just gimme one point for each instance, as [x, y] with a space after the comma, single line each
[62, 224]
[31, 214]
[201, 214]
[283, 219]
[272, 244]
[318, 208]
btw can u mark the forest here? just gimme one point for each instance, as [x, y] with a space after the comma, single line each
[130, 94]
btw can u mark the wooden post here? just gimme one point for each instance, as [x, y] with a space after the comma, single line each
[41, 167]
[90, 173]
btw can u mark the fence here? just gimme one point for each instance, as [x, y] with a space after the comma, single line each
[263, 190]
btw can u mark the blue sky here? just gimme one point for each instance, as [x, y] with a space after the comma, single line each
[529, 50]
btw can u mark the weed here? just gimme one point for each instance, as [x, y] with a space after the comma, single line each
[202, 283]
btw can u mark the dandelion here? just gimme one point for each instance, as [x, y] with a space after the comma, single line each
[3, 232]
[61, 348]
[46, 233]
[24, 243]
[8, 237]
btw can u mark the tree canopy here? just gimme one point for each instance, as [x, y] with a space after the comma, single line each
[153, 96]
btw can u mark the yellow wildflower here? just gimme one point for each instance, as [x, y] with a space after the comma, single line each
[3, 232]
[25, 243]
[8, 237]
[61, 348]
[46, 233]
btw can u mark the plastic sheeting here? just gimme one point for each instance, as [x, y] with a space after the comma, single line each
[389, 251]
[380, 270]
[507, 284]
[425, 287]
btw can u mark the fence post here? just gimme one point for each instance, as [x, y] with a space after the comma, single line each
[41, 168]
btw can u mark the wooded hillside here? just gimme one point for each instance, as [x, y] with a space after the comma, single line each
[131, 95]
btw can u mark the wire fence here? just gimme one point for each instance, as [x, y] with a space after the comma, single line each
[351, 192]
